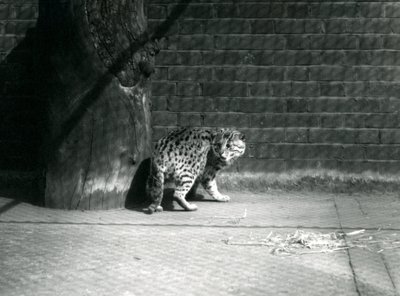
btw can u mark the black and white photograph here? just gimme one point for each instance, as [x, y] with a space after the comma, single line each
[196, 148]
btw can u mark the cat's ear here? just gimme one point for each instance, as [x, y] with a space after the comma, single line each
[242, 137]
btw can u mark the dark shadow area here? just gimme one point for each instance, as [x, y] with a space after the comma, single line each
[21, 122]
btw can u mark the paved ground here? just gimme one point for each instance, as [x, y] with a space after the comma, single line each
[125, 252]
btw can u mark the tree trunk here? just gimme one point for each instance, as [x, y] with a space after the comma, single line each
[97, 82]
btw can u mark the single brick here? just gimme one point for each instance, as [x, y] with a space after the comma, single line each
[333, 42]
[192, 27]
[189, 73]
[290, 26]
[261, 105]
[297, 73]
[264, 135]
[300, 120]
[158, 103]
[191, 42]
[189, 89]
[314, 27]
[331, 120]
[228, 10]
[164, 119]
[382, 120]
[333, 10]
[313, 151]
[368, 136]
[232, 26]
[342, 136]
[297, 42]
[336, 26]
[359, 57]
[296, 135]
[182, 104]
[332, 73]
[356, 88]
[189, 119]
[163, 88]
[223, 58]
[378, 73]
[234, 89]
[269, 151]
[392, 10]
[168, 58]
[264, 10]
[226, 119]
[267, 120]
[333, 57]
[391, 42]
[190, 58]
[395, 25]
[279, 89]
[378, 26]
[389, 104]
[7, 43]
[371, 10]
[297, 105]
[388, 89]
[298, 10]
[301, 164]
[382, 152]
[260, 89]
[332, 89]
[5, 11]
[249, 74]
[27, 11]
[262, 27]
[261, 165]
[202, 11]
[249, 42]
[353, 152]
[385, 57]
[390, 136]
[301, 89]
[371, 42]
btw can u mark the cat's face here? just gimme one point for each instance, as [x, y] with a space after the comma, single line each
[229, 144]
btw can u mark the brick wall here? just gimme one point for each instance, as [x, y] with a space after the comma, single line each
[312, 84]
[19, 136]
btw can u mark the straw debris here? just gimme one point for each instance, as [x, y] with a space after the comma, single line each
[306, 242]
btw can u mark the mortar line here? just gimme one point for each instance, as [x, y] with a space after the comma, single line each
[347, 250]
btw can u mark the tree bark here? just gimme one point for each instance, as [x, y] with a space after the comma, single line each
[97, 73]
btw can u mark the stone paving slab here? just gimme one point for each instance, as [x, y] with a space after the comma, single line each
[261, 210]
[126, 252]
[48, 259]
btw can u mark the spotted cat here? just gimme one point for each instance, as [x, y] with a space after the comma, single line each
[190, 156]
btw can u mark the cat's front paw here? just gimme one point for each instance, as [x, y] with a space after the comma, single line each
[153, 208]
[191, 207]
[223, 198]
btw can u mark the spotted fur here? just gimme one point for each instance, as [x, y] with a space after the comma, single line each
[191, 156]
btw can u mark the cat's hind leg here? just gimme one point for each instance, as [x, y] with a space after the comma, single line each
[155, 190]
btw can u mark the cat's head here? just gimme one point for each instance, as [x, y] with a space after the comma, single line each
[228, 144]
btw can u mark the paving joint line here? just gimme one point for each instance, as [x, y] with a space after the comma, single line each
[347, 251]
[196, 225]
[388, 272]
